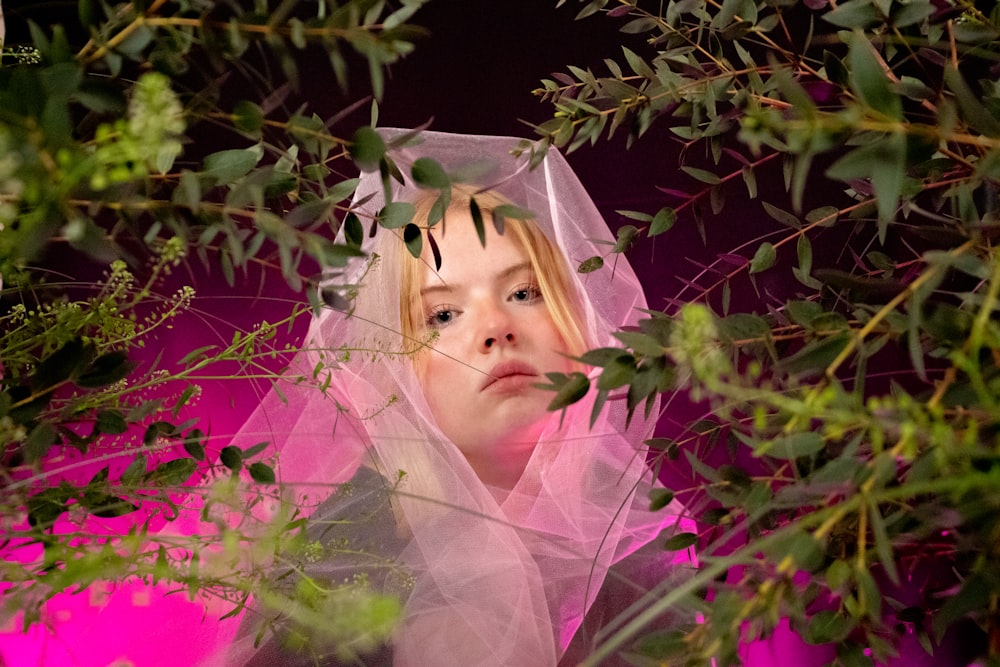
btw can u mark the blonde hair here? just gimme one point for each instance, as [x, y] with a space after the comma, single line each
[547, 261]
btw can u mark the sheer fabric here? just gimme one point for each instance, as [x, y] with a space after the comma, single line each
[498, 578]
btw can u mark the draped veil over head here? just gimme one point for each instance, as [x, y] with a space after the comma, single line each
[498, 577]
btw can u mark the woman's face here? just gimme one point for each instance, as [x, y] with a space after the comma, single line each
[495, 339]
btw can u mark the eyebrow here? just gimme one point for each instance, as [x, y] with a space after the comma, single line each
[505, 273]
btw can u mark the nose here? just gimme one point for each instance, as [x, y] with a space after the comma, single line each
[497, 329]
[503, 339]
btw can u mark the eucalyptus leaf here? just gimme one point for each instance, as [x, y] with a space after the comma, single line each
[680, 542]
[396, 215]
[261, 473]
[569, 389]
[427, 173]
[625, 238]
[764, 258]
[248, 117]
[231, 457]
[171, 473]
[590, 265]
[793, 446]
[414, 240]
[111, 421]
[827, 627]
[41, 438]
[367, 149]
[868, 78]
[136, 470]
[354, 233]
[659, 498]
[618, 372]
[226, 166]
[663, 221]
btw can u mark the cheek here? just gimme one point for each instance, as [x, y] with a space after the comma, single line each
[436, 375]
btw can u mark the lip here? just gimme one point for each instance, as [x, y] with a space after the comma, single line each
[509, 373]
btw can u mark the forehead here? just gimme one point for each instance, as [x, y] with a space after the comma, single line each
[462, 252]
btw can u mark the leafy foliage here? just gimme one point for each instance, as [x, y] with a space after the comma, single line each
[127, 170]
[849, 443]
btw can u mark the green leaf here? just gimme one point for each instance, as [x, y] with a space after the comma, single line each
[838, 574]
[188, 194]
[396, 214]
[111, 422]
[659, 498]
[477, 220]
[805, 551]
[105, 370]
[816, 355]
[659, 647]
[354, 232]
[309, 132]
[803, 248]
[231, 457]
[883, 547]
[250, 452]
[106, 506]
[193, 446]
[435, 251]
[342, 190]
[869, 80]
[855, 14]
[158, 430]
[743, 327]
[439, 207]
[45, 506]
[636, 215]
[261, 473]
[802, 312]
[504, 211]
[617, 373]
[825, 215]
[101, 96]
[638, 65]
[827, 627]
[135, 471]
[427, 173]
[869, 595]
[600, 356]
[248, 117]
[625, 238]
[793, 446]
[764, 258]
[172, 473]
[367, 149]
[782, 216]
[569, 389]
[702, 175]
[662, 221]
[414, 240]
[680, 541]
[39, 440]
[643, 343]
[850, 654]
[227, 166]
[59, 366]
[977, 115]
[87, 12]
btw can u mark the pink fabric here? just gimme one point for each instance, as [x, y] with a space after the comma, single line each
[500, 579]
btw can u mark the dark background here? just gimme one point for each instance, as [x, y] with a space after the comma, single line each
[475, 73]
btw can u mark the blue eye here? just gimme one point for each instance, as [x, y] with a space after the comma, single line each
[440, 317]
[526, 294]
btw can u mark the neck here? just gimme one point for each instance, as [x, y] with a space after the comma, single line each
[501, 466]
